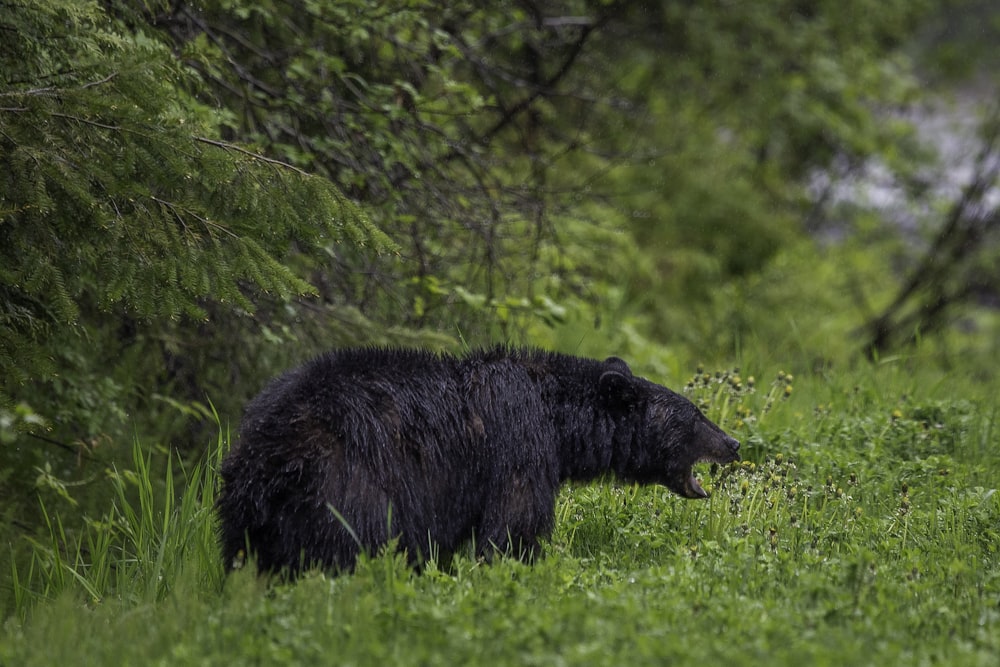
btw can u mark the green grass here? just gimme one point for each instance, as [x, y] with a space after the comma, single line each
[863, 527]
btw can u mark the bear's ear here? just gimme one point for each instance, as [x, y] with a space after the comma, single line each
[617, 390]
[619, 365]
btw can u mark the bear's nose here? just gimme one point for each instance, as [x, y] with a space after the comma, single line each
[734, 444]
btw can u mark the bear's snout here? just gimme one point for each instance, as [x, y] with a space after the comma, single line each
[713, 445]
[726, 452]
[734, 445]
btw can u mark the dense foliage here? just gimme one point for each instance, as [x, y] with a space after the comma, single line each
[118, 198]
[172, 167]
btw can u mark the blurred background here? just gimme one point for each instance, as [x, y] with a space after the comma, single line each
[196, 195]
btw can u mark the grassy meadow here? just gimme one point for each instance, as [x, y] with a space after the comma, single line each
[862, 527]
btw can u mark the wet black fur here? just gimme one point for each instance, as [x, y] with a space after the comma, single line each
[361, 446]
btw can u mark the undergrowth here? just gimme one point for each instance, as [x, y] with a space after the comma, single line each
[151, 536]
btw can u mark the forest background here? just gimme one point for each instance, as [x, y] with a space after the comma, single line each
[196, 195]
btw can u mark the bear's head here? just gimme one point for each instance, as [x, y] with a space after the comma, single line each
[672, 434]
[682, 436]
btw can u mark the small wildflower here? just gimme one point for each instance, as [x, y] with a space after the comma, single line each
[897, 414]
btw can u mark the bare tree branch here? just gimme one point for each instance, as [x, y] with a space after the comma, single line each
[926, 295]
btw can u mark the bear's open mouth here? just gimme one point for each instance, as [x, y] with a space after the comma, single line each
[692, 487]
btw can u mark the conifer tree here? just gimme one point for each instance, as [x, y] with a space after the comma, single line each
[117, 195]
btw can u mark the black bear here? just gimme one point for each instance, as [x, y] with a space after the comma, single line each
[362, 446]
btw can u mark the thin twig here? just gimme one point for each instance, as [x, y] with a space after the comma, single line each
[257, 156]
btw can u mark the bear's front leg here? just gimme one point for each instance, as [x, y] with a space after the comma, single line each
[519, 513]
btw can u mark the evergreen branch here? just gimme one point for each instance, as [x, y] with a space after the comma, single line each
[99, 81]
[85, 121]
[33, 91]
[54, 90]
[179, 211]
[256, 156]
